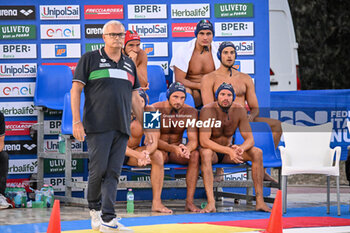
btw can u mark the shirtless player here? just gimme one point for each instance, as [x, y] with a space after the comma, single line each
[144, 155]
[195, 59]
[138, 56]
[244, 89]
[175, 111]
[216, 144]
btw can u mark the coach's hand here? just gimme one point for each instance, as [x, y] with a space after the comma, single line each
[78, 131]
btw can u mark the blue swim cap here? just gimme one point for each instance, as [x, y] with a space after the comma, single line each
[225, 86]
[175, 86]
[224, 45]
[204, 25]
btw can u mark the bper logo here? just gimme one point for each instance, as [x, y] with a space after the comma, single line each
[60, 50]
[151, 120]
[149, 49]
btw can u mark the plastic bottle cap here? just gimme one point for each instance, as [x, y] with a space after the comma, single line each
[129, 190]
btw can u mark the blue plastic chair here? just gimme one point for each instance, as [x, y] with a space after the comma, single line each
[52, 83]
[157, 82]
[189, 99]
[67, 118]
[263, 139]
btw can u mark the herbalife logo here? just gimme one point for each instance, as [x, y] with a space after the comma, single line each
[164, 66]
[190, 11]
[26, 13]
[29, 147]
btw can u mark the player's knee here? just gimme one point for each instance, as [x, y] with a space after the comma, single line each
[157, 158]
[257, 155]
[206, 156]
[194, 158]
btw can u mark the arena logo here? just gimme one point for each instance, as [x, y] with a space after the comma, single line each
[147, 11]
[93, 30]
[20, 147]
[17, 12]
[159, 30]
[190, 11]
[234, 29]
[104, 11]
[14, 51]
[59, 12]
[183, 29]
[17, 89]
[16, 32]
[23, 70]
[60, 31]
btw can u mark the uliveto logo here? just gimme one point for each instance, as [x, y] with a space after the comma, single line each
[18, 70]
[59, 12]
[93, 30]
[150, 30]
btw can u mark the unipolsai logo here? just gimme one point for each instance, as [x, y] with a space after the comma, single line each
[18, 70]
[60, 50]
[151, 120]
[150, 30]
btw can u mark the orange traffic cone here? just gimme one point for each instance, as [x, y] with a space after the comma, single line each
[275, 222]
[55, 219]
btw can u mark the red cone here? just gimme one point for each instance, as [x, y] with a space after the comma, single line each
[275, 222]
[55, 219]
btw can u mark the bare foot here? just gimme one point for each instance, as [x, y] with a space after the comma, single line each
[191, 207]
[219, 175]
[161, 209]
[209, 208]
[262, 207]
[267, 177]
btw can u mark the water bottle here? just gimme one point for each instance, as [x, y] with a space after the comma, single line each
[50, 196]
[17, 197]
[23, 197]
[61, 144]
[130, 202]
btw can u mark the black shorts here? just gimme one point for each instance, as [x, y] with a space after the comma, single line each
[220, 157]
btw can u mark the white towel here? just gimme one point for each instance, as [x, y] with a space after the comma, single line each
[181, 58]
